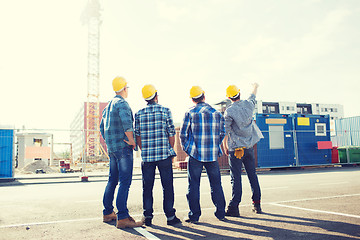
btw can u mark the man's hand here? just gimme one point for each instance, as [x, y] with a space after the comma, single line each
[255, 85]
[226, 147]
[131, 141]
[226, 151]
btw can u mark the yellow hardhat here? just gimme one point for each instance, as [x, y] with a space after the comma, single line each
[196, 92]
[232, 91]
[118, 84]
[148, 92]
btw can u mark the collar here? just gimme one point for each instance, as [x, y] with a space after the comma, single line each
[153, 103]
[119, 96]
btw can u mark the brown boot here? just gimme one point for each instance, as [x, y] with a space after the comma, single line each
[128, 223]
[110, 217]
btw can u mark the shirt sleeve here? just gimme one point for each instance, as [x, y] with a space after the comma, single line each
[137, 124]
[184, 129]
[170, 128]
[228, 121]
[222, 128]
[252, 100]
[126, 117]
[102, 128]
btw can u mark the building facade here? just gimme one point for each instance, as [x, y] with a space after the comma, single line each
[335, 111]
[78, 128]
[34, 147]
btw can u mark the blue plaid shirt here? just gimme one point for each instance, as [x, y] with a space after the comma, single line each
[202, 132]
[117, 118]
[154, 124]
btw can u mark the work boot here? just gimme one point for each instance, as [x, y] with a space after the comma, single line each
[173, 221]
[232, 211]
[148, 222]
[110, 217]
[188, 220]
[128, 223]
[257, 208]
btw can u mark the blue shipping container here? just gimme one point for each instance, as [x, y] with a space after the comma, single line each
[6, 153]
[276, 149]
[311, 129]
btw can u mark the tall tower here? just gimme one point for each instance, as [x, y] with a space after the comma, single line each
[91, 17]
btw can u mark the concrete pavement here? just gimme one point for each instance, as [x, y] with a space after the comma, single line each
[298, 204]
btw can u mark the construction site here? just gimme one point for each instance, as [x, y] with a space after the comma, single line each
[32, 151]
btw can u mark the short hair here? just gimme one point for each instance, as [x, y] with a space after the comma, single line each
[200, 99]
[152, 100]
[235, 98]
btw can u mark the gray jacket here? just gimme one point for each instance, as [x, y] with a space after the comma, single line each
[240, 127]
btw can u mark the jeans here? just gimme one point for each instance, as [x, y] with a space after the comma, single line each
[235, 172]
[121, 167]
[148, 178]
[195, 168]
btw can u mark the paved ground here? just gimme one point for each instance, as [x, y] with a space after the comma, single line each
[319, 203]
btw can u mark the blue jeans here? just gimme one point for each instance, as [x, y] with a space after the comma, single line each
[235, 172]
[166, 176]
[195, 168]
[121, 167]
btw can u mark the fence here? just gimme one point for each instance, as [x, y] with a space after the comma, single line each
[289, 141]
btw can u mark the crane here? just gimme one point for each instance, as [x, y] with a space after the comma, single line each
[91, 17]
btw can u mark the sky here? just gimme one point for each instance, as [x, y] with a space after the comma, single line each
[298, 51]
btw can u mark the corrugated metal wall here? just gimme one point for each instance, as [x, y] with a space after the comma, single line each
[347, 132]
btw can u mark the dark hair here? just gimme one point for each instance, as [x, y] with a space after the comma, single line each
[152, 100]
[200, 99]
[236, 98]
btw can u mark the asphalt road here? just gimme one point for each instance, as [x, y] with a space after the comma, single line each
[321, 203]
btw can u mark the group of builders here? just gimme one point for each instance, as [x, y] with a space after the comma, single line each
[203, 130]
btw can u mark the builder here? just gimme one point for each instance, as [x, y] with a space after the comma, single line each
[117, 129]
[155, 133]
[242, 134]
[201, 135]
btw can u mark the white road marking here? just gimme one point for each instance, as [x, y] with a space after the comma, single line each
[185, 210]
[89, 201]
[314, 210]
[334, 183]
[274, 188]
[318, 198]
[146, 234]
[51, 222]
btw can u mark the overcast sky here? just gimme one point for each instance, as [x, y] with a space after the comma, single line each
[301, 51]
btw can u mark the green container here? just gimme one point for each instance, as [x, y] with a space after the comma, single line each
[352, 151]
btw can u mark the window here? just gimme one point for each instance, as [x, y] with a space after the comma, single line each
[276, 137]
[320, 129]
[38, 142]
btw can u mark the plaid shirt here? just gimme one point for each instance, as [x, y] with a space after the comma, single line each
[117, 118]
[154, 124]
[202, 133]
